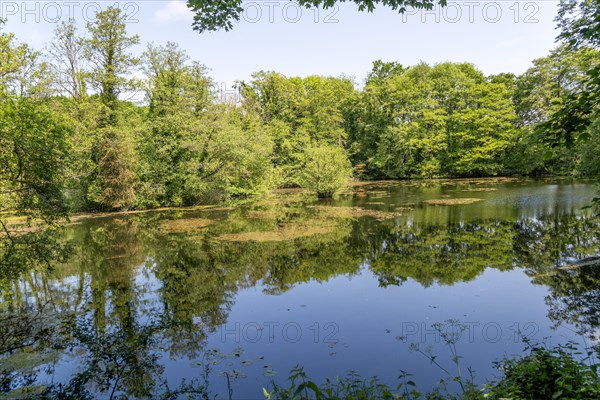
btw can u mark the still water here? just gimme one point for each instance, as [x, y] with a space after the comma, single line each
[234, 297]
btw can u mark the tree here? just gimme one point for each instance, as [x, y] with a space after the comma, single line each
[194, 150]
[296, 112]
[22, 71]
[34, 151]
[539, 93]
[67, 51]
[113, 184]
[326, 170]
[579, 22]
[424, 121]
[108, 50]
[212, 16]
[14, 58]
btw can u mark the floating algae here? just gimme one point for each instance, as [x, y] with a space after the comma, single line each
[263, 214]
[483, 189]
[354, 212]
[286, 231]
[452, 202]
[185, 224]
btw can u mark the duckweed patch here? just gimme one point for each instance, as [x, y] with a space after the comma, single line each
[354, 212]
[287, 231]
[452, 202]
[185, 225]
[483, 189]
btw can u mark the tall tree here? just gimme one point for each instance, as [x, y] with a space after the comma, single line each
[108, 50]
[192, 149]
[298, 113]
[539, 93]
[14, 57]
[34, 150]
[67, 51]
[579, 22]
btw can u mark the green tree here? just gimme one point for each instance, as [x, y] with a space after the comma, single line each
[13, 58]
[67, 52]
[539, 93]
[296, 112]
[423, 121]
[194, 149]
[326, 170]
[34, 151]
[579, 22]
[108, 51]
[23, 73]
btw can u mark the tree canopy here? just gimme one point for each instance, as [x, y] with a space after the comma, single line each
[215, 15]
[579, 22]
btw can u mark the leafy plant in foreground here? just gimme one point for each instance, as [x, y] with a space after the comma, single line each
[548, 373]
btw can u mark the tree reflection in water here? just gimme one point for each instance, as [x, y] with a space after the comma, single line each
[137, 293]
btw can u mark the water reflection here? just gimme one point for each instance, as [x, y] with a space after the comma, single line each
[146, 290]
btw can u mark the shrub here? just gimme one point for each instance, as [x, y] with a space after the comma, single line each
[326, 170]
[548, 373]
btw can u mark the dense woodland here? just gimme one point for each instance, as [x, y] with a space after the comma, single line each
[68, 134]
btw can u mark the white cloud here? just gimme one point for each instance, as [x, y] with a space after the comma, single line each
[173, 11]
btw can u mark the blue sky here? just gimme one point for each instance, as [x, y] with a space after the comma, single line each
[497, 36]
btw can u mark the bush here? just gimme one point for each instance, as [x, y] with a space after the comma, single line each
[326, 170]
[548, 373]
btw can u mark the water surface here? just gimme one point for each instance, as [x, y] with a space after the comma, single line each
[252, 290]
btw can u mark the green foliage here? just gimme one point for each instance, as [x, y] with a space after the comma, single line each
[33, 154]
[352, 387]
[211, 16]
[578, 22]
[193, 149]
[580, 28]
[296, 112]
[560, 372]
[112, 185]
[326, 170]
[22, 71]
[108, 52]
[423, 121]
[589, 161]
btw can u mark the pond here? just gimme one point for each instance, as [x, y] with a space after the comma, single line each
[235, 297]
